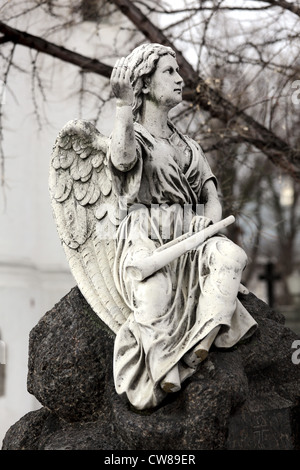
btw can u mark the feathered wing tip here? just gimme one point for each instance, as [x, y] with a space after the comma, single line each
[86, 213]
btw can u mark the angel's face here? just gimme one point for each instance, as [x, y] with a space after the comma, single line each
[164, 87]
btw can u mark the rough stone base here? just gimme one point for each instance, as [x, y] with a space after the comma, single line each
[260, 425]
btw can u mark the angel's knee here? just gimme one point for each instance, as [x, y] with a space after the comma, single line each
[153, 294]
[232, 252]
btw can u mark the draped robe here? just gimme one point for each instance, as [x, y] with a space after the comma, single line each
[179, 305]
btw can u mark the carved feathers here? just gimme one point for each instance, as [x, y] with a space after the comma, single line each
[86, 214]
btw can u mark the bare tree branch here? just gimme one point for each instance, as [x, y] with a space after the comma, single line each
[197, 91]
[4, 39]
[85, 63]
[162, 10]
[290, 6]
[2, 160]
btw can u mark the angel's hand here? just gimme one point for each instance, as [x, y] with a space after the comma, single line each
[120, 83]
[199, 223]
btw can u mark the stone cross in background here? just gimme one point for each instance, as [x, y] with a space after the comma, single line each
[270, 276]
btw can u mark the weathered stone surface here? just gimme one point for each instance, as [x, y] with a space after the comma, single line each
[70, 359]
[268, 422]
[243, 398]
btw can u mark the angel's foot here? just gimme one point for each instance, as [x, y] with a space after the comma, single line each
[200, 352]
[171, 382]
[243, 290]
[169, 387]
[195, 357]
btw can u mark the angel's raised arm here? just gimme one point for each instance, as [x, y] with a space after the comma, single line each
[123, 145]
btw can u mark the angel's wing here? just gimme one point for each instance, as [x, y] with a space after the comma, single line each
[86, 213]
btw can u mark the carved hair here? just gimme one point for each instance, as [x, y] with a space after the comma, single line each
[143, 61]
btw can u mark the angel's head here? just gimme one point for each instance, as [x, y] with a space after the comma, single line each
[143, 62]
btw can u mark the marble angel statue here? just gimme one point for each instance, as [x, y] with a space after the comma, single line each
[121, 202]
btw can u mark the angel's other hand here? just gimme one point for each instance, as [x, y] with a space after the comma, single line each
[120, 83]
[199, 223]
